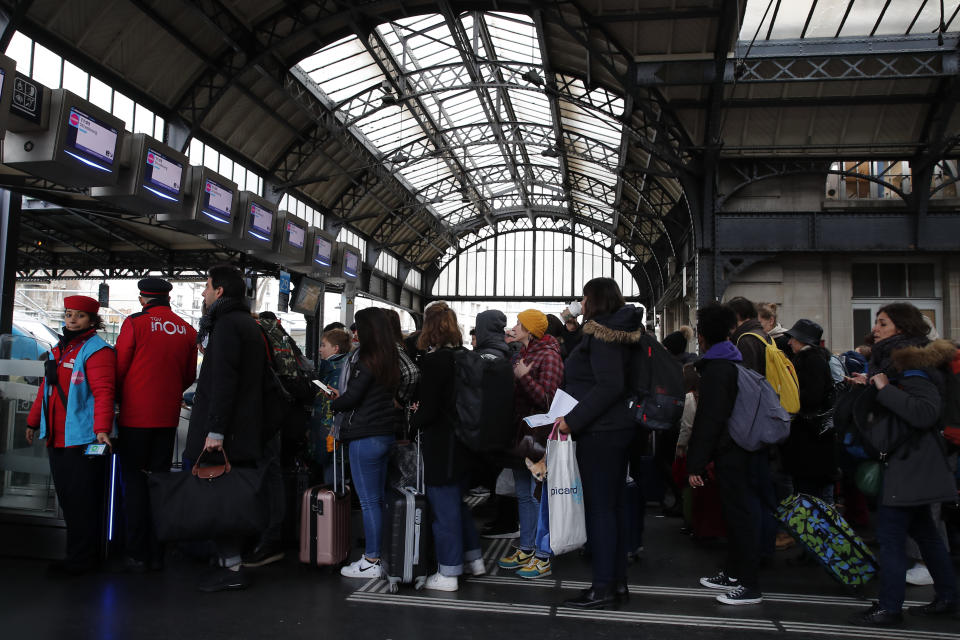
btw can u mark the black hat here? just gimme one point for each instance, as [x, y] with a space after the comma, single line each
[154, 287]
[806, 331]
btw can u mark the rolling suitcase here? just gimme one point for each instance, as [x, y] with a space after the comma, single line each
[407, 534]
[325, 521]
[829, 537]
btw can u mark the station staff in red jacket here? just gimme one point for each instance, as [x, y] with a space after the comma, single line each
[74, 408]
[156, 362]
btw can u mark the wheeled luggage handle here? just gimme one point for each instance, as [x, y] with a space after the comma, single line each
[338, 446]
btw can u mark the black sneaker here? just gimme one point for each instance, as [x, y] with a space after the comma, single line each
[720, 581]
[223, 579]
[740, 595]
[263, 554]
[936, 608]
[877, 617]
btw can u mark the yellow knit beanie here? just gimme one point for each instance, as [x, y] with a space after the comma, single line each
[533, 321]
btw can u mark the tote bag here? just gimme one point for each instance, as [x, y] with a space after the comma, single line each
[564, 491]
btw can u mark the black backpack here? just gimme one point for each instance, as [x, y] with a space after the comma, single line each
[655, 384]
[483, 387]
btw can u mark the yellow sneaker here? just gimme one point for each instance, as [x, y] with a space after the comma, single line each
[515, 560]
[536, 568]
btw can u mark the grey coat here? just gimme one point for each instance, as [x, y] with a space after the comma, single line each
[919, 471]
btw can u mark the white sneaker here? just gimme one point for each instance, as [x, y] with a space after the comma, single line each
[362, 568]
[919, 575]
[476, 567]
[439, 582]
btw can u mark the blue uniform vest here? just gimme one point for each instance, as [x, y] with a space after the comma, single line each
[78, 425]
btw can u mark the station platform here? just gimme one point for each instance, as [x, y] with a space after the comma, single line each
[289, 600]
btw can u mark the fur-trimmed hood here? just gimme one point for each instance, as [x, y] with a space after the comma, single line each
[930, 356]
[624, 326]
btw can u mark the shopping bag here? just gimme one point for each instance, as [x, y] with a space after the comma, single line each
[209, 502]
[564, 491]
[542, 539]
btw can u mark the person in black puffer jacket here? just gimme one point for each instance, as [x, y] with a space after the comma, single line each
[368, 422]
[447, 462]
[902, 397]
[604, 430]
[809, 454]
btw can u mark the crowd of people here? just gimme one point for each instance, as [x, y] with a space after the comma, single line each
[382, 385]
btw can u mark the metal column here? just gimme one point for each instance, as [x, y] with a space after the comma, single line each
[10, 211]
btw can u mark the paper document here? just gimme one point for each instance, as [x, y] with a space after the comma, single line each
[563, 403]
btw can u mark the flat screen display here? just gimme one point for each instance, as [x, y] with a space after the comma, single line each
[261, 222]
[217, 200]
[309, 295]
[323, 252]
[162, 175]
[95, 140]
[295, 235]
[351, 264]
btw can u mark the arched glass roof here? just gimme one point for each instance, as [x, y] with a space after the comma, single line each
[469, 116]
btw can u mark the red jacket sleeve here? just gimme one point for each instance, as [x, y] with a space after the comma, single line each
[33, 420]
[126, 345]
[101, 369]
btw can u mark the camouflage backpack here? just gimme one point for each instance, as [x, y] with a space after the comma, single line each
[288, 363]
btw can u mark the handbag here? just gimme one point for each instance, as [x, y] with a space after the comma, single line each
[213, 501]
[869, 477]
[564, 490]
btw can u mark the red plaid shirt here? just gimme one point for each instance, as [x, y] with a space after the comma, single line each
[534, 392]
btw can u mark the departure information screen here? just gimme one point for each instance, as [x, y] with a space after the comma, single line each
[219, 199]
[323, 252]
[295, 235]
[351, 264]
[261, 221]
[163, 172]
[92, 137]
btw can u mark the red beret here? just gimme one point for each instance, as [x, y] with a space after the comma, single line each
[81, 303]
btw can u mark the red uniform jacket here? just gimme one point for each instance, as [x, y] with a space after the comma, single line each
[156, 362]
[101, 371]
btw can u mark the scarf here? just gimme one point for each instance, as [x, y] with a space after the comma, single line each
[881, 357]
[219, 307]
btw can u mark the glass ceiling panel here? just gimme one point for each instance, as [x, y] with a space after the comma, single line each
[865, 18]
[440, 106]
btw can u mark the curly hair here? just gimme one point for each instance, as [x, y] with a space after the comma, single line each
[439, 327]
[907, 318]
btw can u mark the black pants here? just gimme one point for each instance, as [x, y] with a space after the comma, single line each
[80, 482]
[142, 450]
[740, 474]
[602, 457]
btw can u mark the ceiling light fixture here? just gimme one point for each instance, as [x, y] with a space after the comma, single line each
[550, 152]
[533, 77]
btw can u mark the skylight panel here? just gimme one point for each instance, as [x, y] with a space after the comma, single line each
[342, 69]
[514, 38]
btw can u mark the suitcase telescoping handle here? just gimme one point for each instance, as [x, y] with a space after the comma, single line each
[338, 447]
[420, 476]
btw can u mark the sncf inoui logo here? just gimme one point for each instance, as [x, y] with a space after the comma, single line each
[169, 328]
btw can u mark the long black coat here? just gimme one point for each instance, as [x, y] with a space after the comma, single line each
[445, 458]
[808, 454]
[229, 398]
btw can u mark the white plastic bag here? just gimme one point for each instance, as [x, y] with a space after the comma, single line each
[564, 492]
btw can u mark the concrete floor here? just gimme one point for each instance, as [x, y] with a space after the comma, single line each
[288, 600]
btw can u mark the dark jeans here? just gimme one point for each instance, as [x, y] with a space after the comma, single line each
[602, 457]
[743, 482]
[80, 483]
[276, 497]
[893, 525]
[454, 531]
[142, 450]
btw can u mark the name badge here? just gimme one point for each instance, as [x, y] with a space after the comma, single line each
[68, 365]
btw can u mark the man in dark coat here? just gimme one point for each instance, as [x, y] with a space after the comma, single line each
[737, 470]
[228, 406]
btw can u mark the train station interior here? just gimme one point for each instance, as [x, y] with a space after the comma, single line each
[355, 153]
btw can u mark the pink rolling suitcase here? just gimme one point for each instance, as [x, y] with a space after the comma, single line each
[325, 521]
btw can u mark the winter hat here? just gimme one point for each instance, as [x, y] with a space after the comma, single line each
[676, 342]
[806, 331]
[81, 303]
[533, 321]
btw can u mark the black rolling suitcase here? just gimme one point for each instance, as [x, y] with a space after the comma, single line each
[407, 554]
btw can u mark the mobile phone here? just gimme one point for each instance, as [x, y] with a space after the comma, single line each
[96, 449]
[323, 387]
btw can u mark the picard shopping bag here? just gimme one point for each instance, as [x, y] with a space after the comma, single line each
[564, 491]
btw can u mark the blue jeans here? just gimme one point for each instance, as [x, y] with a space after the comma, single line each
[368, 468]
[893, 525]
[529, 511]
[454, 532]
